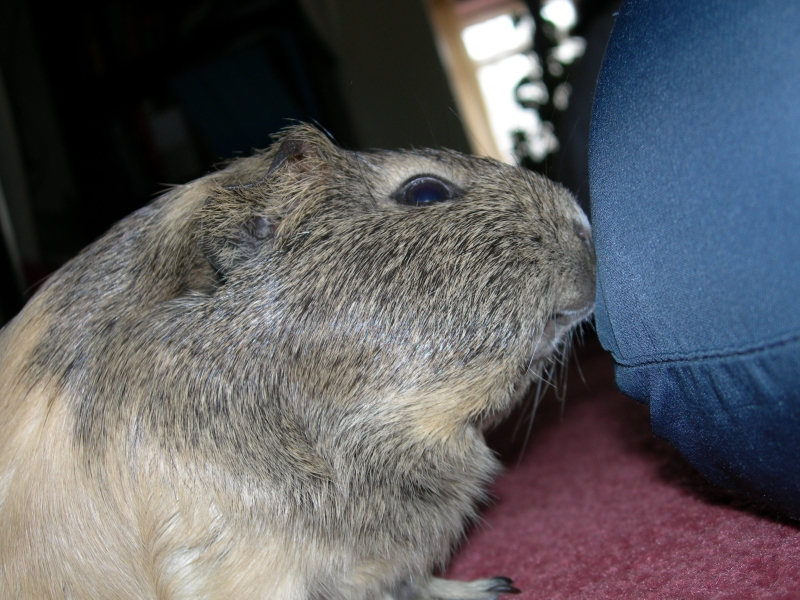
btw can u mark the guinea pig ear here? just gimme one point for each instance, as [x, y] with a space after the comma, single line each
[291, 150]
[301, 146]
[227, 239]
[294, 149]
[238, 220]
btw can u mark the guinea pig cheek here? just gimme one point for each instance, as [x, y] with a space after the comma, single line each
[560, 326]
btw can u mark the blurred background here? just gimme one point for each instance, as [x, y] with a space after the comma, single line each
[105, 103]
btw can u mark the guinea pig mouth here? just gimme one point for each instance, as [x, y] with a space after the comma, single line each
[560, 324]
[568, 318]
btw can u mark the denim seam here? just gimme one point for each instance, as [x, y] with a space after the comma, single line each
[676, 357]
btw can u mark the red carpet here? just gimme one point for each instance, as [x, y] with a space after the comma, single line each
[600, 508]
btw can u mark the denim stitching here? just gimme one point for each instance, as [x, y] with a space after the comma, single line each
[705, 355]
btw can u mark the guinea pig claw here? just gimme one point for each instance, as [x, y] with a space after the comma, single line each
[503, 586]
[479, 589]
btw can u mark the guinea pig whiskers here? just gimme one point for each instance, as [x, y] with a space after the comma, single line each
[562, 370]
[533, 357]
[561, 381]
[535, 374]
[541, 388]
[574, 353]
[551, 373]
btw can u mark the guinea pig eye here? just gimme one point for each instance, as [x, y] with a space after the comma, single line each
[424, 191]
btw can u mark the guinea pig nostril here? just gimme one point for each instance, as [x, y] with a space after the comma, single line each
[583, 231]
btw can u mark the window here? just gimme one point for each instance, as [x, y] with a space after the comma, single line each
[497, 78]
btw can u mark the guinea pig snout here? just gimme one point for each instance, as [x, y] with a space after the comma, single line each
[576, 303]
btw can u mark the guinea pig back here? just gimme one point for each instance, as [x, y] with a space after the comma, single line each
[273, 382]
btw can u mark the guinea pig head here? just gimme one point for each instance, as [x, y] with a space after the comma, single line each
[424, 283]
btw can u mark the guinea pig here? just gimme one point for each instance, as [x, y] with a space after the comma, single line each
[273, 382]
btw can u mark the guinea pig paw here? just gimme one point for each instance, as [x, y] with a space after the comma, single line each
[479, 589]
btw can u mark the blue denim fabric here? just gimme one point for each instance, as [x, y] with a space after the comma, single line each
[695, 185]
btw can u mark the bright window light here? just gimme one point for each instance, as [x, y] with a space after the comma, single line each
[500, 47]
[497, 37]
[569, 50]
[497, 81]
[560, 13]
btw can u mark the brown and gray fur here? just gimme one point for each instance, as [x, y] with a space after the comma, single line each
[272, 382]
